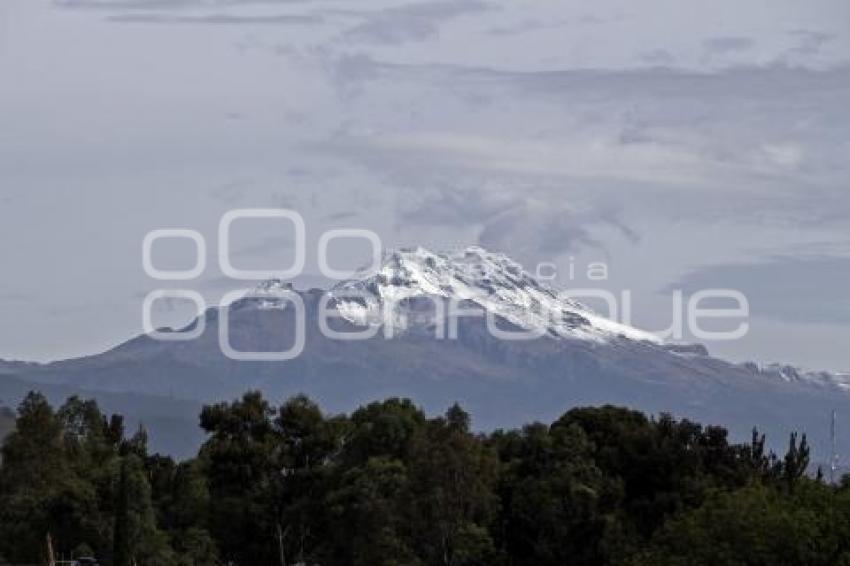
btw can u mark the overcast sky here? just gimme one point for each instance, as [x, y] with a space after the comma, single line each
[685, 144]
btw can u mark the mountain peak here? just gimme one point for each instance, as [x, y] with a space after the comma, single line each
[493, 281]
[272, 287]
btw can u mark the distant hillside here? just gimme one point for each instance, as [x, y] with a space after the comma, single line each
[8, 367]
[172, 424]
[577, 359]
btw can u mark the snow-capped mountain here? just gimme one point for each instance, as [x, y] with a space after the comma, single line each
[793, 374]
[575, 358]
[493, 282]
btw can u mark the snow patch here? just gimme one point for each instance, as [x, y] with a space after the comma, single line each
[492, 281]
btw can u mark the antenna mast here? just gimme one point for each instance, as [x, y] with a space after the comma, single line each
[833, 457]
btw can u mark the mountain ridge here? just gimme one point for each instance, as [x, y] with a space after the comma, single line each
[579, 359]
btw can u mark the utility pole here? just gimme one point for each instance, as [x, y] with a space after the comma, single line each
[51, 559]
[833, 457]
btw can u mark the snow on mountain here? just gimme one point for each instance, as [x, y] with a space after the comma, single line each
[582, 359]
[493, 282]
[793, 374]
[500, 286]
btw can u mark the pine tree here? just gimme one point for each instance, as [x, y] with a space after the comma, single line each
[796, 461]
[121, 552]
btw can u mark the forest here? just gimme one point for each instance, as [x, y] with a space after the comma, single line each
[387, 485]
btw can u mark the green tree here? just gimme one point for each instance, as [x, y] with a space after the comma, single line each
[756, 526]
[796, 461]
[137, 538]
[238, 462]
[368, 525]
[554, 498]
[452, 500]
[43, 486]
[368, 493]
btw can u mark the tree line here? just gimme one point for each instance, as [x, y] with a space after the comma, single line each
[389, 486]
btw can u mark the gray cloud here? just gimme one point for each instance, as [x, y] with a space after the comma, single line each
[129, 5]
[659, 57]
[724, 45]
[410, 22]
[540, 230]
[794, 289]
[810, 42]
[126, 4]
[17, 296]
[507, 218]
[265, 246]
[524, 27]
[769, 138]
[535, 230]
[454, 206]
[217, 19]
[231, 193]
[488, 125]
[337, 216]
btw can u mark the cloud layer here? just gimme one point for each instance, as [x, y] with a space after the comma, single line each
[677, 143]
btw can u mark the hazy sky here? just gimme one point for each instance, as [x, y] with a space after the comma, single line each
[685, 144]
